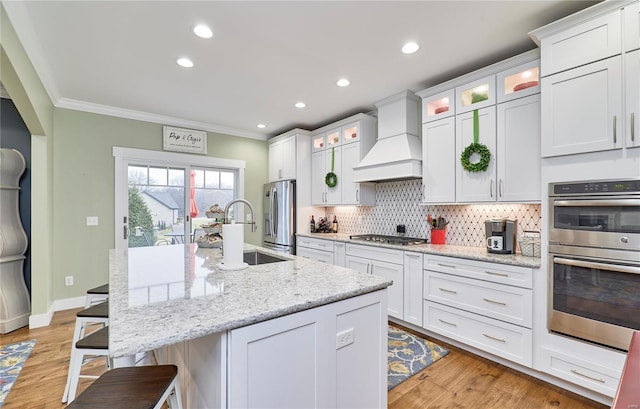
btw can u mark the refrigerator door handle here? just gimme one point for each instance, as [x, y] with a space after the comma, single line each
[275, 213]
[270, 227]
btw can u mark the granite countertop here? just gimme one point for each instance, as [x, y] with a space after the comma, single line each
[468, 252]
[162, 295]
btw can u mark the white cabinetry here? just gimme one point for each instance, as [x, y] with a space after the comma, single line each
[632, 75]
[585, 74]
[339, 254]
[508, 105]
[384, 262]
[476, 186]
[582, 109]
[438, 161]
[518, 149]
[315, 249]
[412, 311]
[282, 159]
[344, 143]
[485, 305]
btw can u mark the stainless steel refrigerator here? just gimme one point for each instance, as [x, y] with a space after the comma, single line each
[279, 204]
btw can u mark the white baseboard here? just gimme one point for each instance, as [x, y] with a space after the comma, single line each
[43, 320]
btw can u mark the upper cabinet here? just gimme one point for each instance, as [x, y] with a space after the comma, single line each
[340, 146]
[506, 96]
[475, 95]
[588, 78]
[632, 98]
[632, 27]
[282, 159]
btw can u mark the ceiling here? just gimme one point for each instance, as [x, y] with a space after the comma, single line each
[119, 57]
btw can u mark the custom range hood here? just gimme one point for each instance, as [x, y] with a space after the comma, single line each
[397, 153]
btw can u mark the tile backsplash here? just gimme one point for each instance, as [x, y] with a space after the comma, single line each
[399, 203]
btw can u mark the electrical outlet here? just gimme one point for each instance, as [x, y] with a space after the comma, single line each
[344, 338]
[68, 280]
[92, 220]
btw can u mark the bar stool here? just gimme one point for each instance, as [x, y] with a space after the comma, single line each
[99, 313]
[96, 295]
[135, 387]
[88, 348]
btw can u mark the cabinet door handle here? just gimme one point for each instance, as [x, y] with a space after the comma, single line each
[573, 371]
[615, 136]
[412, 255]
[493, 273]
[494, 302]
[494, 338]
[357, 195]
[446, 265]
[500, 187]
[447, 322]
[125, 232]
[447, 290]
[491, 188]
[633, 126]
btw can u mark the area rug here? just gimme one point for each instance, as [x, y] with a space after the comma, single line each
[408, 355]
[12, 358]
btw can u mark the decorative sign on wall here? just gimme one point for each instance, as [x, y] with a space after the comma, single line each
[184, 140]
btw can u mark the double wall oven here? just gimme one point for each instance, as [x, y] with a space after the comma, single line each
[594, 260]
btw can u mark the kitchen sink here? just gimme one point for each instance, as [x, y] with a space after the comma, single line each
[255, 257]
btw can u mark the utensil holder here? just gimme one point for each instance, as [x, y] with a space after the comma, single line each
[438, 236]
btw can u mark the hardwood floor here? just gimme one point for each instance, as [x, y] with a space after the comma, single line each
[460, 380]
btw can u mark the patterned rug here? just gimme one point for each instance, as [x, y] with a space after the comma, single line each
[12, 358]
[408, 355]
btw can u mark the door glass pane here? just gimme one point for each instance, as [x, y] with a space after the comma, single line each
[158, 176]
[156, 209]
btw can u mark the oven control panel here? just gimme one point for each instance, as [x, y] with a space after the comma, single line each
[595, 187]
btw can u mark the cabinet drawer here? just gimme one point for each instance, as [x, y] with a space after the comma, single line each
[584, 373]
[506, 303]
[497, 273]
[596, 39]
[375, 253]
[499, 338]
[313, 254]
[318, 244]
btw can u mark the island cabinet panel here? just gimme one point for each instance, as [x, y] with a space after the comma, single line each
[332, 356]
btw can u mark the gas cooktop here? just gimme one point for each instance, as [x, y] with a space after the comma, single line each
[397, 240]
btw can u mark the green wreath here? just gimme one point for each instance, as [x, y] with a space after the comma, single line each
[485, 157]
[475, 147]
[331, 179]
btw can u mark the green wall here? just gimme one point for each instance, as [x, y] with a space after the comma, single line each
[84, 173]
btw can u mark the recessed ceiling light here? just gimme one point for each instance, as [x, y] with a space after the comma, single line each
[343, 82]
[185, 62]
[203, 31]
[262, 126]
[300, 105]
[410, 48]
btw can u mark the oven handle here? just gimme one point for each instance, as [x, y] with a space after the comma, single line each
[600, 202]
[592, 264]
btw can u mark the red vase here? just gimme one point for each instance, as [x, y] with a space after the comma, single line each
[438, 236]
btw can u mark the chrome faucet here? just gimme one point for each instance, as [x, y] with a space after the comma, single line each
[254, 228]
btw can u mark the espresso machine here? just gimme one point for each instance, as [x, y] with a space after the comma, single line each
[501, 235]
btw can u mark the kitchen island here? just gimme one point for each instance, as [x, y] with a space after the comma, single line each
[287, 333]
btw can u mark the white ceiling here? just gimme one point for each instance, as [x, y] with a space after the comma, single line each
[119, 57]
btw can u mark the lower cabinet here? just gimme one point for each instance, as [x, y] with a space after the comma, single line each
[485, 305]
[339, 254]
[412, 311]
[332, 356]
[384, 262]
[315, 249]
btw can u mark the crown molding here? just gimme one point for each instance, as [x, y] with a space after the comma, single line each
[154, 118]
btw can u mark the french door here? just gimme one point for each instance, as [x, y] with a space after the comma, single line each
[162, 198]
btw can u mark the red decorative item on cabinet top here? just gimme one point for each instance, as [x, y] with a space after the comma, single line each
[525, 85]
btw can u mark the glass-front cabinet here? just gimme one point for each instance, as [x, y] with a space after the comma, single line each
[333, 138]
[318, 142]
[350, 133]
[519, 81]
[438, 106]
[475, 95]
